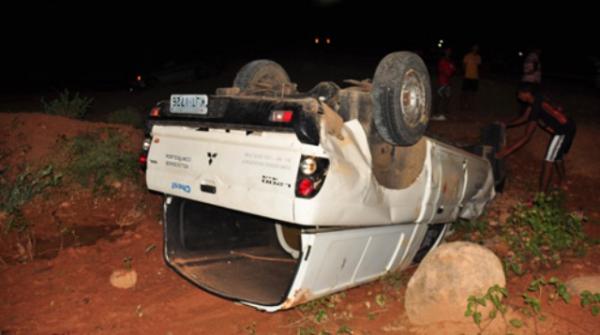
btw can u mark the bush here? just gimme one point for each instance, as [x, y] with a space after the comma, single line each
[99, 157]
[15, 194]
[540, 232]
[65, 105]
[128, 115]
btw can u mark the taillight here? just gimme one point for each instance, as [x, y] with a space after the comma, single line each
[155, 111]
[143, 159]
[146, 144]
[284, 116]
[306, 187]
[311, 175]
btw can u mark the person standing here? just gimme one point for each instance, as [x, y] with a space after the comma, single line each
[471, 63]
[446, 70]
[532, 68]
[540, 111]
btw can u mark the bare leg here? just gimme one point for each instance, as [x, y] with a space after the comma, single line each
[546, 176]
[560, 171]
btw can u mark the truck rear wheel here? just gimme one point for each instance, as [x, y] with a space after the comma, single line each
[402, 98]
[262, 75]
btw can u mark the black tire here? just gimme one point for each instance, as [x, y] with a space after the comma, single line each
[261, 74]
[401, 98]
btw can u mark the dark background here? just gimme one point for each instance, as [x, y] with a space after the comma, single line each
[103, 45]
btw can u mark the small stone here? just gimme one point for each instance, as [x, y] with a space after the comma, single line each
[123, 278]
[584, 283]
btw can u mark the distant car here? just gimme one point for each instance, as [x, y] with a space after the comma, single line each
[275, 197]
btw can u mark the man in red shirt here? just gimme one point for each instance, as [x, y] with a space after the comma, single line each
[446, 70]
[540, 111]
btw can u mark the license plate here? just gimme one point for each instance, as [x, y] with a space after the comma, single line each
[189, 104]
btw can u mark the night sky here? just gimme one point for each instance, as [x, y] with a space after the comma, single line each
[103, 42]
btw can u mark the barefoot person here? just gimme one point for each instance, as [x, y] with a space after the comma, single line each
[550, 117]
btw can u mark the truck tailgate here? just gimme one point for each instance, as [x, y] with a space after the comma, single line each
[243, 170]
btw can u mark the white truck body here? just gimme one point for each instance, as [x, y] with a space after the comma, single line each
[275, 197]
[353, 231]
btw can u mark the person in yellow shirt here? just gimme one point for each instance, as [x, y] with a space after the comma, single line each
[471, 63]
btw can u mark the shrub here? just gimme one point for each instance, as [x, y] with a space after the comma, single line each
[99, 156]
[538, 233]
[66, 105]
[592, 300]
[15, 194]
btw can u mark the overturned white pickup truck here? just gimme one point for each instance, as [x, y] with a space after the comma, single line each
[276, 197]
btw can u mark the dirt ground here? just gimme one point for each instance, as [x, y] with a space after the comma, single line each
[65, 289]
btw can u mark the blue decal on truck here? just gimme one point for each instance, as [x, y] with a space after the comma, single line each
[178, 186]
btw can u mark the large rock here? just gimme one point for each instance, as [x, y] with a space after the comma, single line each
[447, 276]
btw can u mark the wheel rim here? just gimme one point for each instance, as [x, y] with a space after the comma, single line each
[412, 98]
